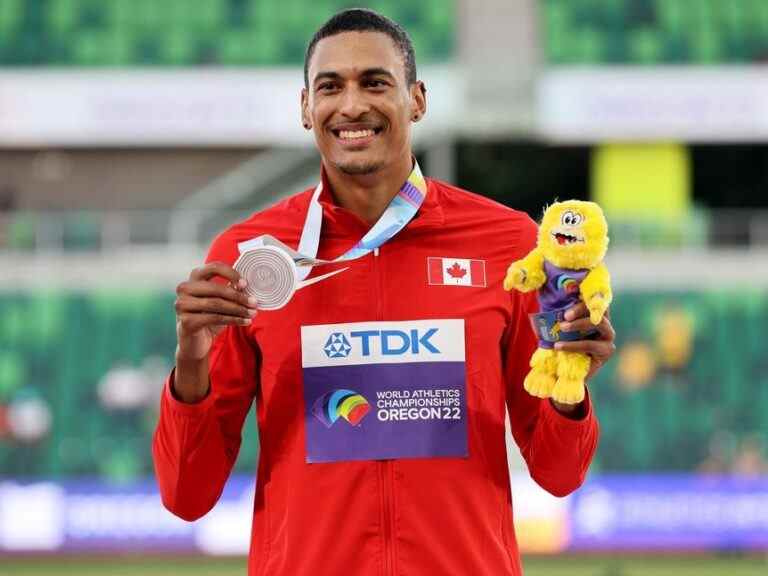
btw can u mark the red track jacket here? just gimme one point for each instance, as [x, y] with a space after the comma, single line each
[429, 516]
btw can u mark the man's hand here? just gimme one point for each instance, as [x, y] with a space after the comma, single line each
[601, 348]
[203, 309]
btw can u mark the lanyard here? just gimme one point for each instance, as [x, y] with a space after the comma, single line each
[401, 209]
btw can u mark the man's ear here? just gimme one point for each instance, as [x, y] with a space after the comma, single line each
[418, 100]
[305, 117]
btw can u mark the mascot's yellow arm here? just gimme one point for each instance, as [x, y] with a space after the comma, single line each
[526, 274]
[596, 292]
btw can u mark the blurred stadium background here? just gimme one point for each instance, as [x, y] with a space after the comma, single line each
[132, 130]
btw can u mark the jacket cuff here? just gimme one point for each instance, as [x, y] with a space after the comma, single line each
[183, 408]
[564, 421]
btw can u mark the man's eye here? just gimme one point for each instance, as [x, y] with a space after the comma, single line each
[376, 83]
[326, 86]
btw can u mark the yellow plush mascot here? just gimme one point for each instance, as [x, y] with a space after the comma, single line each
[566, 266]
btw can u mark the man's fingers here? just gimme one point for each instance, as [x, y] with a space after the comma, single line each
[213, 305]
[193, 322]
[606, 328]
[580, 325]
[208, 289]
[596, 348]
[204, 303]
[213, 269]
[585, 325]
[577, 311]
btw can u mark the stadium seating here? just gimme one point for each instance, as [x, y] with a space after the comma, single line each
[61, 348]
[707, 375]
[651, 32]
[103, 33]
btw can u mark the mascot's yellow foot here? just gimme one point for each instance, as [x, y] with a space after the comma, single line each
[539, 384]
[572, 368]
[568, 391]
[541, 378]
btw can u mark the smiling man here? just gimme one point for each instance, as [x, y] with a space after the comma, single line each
[381, 388]
[360, 97]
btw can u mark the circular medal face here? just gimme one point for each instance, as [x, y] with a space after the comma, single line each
[271, 276]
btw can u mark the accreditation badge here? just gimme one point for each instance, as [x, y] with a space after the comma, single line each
[384, 390]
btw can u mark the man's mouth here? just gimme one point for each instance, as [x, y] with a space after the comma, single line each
[564, 239]
[358, 135]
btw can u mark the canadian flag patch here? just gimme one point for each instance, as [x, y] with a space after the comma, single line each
[455, 272]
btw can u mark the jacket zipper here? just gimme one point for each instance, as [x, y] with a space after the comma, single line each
[377, 288]
[385, 466]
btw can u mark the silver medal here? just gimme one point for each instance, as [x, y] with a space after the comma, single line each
[271, 276]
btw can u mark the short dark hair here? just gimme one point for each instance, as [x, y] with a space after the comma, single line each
[362, 20]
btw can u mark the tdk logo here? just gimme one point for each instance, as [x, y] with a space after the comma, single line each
[337, 346]
[396, 342]
[382, 342]
[386, 342]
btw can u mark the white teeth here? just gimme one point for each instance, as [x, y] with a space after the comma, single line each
[350, 134]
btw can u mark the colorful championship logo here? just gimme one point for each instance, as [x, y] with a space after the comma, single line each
[346, 404]
[567, 285]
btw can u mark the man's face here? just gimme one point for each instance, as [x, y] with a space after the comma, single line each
[359, 103]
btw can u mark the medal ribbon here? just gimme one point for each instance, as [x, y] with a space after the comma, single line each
[399, 212]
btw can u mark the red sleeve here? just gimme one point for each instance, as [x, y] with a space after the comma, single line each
[195, 445]
[557, 449]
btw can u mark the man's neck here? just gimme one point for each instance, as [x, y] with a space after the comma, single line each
[368, 195]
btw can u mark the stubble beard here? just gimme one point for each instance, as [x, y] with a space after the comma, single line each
[360, 168]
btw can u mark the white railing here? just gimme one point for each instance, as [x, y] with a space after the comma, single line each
[98, 231]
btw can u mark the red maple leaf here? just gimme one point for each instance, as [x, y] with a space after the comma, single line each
[456, 271]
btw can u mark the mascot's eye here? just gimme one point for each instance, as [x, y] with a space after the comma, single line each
[571, 219]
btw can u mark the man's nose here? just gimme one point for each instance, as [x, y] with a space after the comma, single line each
[353, 103]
